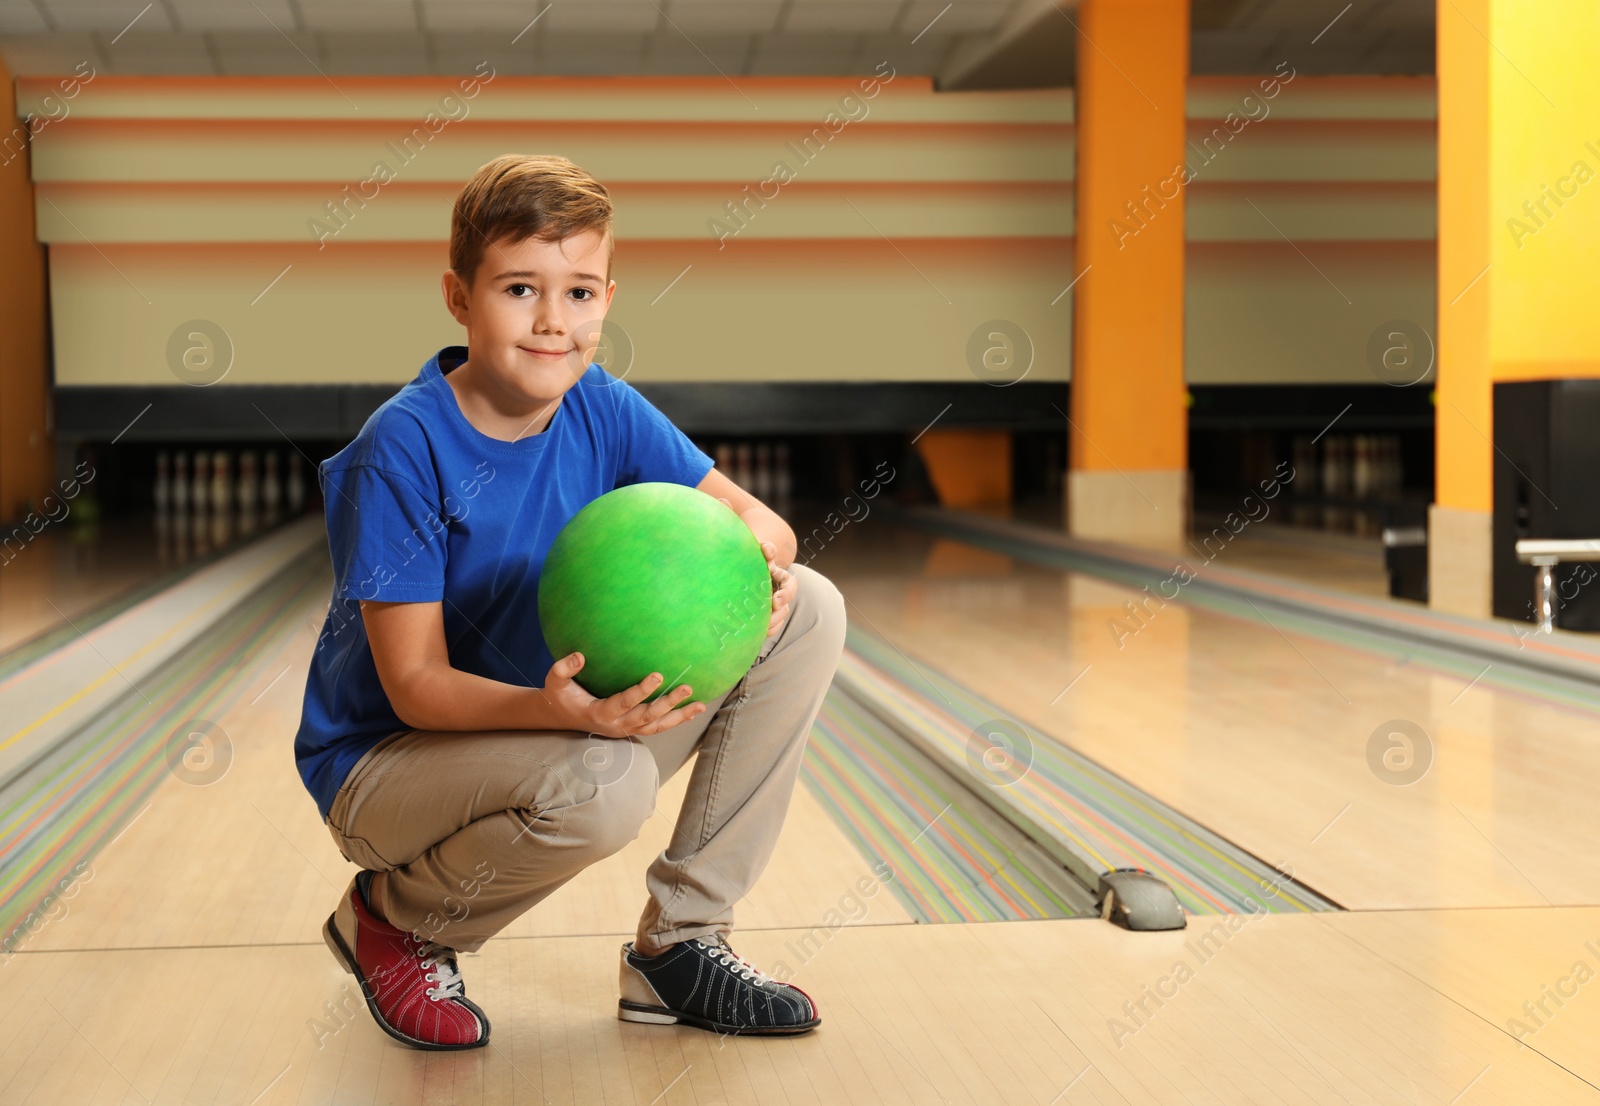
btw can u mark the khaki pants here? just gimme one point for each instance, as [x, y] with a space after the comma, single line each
[475, 828]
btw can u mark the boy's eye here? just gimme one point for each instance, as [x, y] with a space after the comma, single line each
[513, 289]
[588, 294]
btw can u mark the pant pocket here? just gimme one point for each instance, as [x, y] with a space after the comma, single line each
[357, 851]
[354, 849]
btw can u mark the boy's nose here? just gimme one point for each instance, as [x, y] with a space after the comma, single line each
[549, 320]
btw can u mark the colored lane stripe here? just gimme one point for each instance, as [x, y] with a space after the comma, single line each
[947, 867]
[1341, 621]
[24, 653]
[1103, 815]
[65, 809]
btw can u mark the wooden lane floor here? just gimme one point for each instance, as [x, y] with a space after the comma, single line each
[67, 569]
[71, 572]
[1263, 736]
[246, 860]
[1326, 1008]
[185, 966]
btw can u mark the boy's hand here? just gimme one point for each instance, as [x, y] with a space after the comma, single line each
[624, 714]
[784, 585]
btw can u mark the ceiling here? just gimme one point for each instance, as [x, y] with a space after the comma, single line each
[962, 44]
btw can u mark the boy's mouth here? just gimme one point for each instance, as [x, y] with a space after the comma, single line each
[546, 354]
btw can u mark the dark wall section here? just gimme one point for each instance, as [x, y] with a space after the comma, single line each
[247, 412]
[1547, 455]
[1362, 454]
[830, 436]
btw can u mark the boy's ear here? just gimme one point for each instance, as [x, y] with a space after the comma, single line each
[455, 296]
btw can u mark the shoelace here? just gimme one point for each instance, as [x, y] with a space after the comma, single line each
[732, 960]
[448, 976]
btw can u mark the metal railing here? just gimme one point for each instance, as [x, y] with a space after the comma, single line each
[1544, 554]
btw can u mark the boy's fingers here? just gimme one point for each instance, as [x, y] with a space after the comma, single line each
[625, 700]
[566, 668]
[673, 717]
[643, 716]
[655, 709]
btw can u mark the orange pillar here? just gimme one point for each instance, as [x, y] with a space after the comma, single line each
[1459, 555]
[1127, 478]
[1519, 229]
[26, 456]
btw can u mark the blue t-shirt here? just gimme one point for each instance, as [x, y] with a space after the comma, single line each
[423, 507]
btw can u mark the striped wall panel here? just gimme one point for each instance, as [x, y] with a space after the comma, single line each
[912, 218]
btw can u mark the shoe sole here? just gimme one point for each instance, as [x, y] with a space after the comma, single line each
[660, 1015]
[347, 960]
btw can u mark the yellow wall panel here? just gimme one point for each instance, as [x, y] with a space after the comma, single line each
[900, 98]
[1544, 183]
[1301, 150]
[421, 212]
[1305, 97]
[1262, 314]
[81, 149]
[373, 312]
[201, 191]
[1269, 212]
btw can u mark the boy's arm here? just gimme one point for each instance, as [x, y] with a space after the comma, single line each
[427, 693]
[764, 522]
[776, 538]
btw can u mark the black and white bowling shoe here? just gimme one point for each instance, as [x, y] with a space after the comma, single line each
[704, 983]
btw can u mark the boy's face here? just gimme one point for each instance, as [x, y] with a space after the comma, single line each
[533, 315]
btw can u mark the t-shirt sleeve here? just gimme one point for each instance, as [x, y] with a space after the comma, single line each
[386, 539]
[651, 448]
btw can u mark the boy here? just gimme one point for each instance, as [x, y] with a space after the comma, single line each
[465, 790]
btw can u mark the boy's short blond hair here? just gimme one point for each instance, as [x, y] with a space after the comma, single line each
[520, 196]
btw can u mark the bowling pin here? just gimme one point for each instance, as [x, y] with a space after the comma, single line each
[742, 475]
[200, 527]
[783, 479]
[1305, 466]
[762, 488]
[200, 482]
[247, 492]
[180, 536]
[294, 489]
[221, 482]
[1333, 480]
[271, 488]
[1361, 472]
[249, 487]
[724, 458]
[162, 492]
[180, 483]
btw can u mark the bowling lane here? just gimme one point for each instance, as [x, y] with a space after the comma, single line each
[244, 859]
[67, 569]
[1291, 1009]
[1261, 735]
[71, 574]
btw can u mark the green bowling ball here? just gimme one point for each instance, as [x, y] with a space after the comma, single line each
[656, 578]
